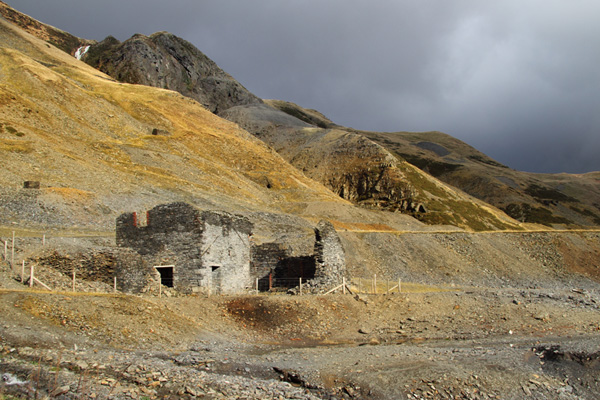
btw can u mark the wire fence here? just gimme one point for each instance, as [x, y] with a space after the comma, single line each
[267, 284]
[271, 284]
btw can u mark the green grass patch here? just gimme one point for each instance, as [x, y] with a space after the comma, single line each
[485, 160]
[587, 213]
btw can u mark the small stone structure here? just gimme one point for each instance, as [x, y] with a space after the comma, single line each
[31, 185]
[212, 251]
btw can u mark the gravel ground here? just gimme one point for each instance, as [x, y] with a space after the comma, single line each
[464, 344]
[516, 338]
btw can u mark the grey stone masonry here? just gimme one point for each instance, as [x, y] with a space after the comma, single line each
[209, 251]
[329, 254]
[212, 252]
[265, 258]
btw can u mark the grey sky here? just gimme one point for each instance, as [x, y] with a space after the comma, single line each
[518, 80]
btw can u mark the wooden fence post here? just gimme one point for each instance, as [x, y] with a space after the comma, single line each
[375, 283]
[73, 280]
[115, 284]
[257, 286]
[270, 281]
[31, 277]
[399, 285]
[44, 240]
[23, 272]
[300, 286]
[12, 261]
[6, 250]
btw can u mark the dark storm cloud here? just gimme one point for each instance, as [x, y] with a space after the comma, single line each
[517, 80]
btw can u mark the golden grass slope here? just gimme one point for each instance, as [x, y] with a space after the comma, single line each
[67, 125]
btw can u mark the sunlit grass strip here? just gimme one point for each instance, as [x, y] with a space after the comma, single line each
[365, 285]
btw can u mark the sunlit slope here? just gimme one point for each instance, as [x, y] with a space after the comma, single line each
[551, 199]
[366, 173]
[112, 147]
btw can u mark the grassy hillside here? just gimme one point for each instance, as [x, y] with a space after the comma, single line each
[548, 199]
[149, 139]
[99, 147]
[365, 172]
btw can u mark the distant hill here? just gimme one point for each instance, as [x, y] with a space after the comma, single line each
[166, 61]
[548, 199]
[366, 173]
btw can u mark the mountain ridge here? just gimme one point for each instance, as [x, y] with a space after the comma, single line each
[166, 61]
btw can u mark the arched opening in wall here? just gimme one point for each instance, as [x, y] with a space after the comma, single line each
[166, 274]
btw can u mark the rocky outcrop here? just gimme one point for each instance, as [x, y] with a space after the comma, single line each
[166, 61]
[549, 199]
[350, 165]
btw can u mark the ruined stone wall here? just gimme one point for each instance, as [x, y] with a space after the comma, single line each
[225, 252]
[171, 237]
[209, 250]
[265, 258]
[133, 274]
[329, 254]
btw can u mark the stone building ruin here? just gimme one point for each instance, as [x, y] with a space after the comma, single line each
[213, 252]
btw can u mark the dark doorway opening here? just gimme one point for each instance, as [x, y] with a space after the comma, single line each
[216, 278]
[287, 273]
[166, 275]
